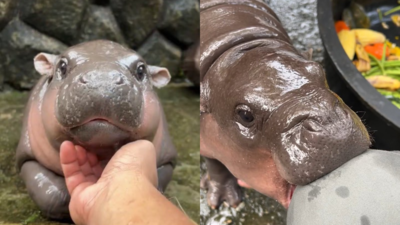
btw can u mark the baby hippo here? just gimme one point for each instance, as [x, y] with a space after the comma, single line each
[99, 95]
[268, 117]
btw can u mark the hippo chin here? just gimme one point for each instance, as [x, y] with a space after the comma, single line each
[268, 117]
[99, 95]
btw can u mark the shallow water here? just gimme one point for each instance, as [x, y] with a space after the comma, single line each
[181, 105]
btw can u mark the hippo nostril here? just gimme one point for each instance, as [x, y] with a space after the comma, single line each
[119, 80]
[82, 80]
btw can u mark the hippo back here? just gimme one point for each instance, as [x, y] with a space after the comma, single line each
[226, 24]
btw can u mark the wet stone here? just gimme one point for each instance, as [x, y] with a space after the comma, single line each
[137, 19]
[101, 2]
[181, 20]
[159, 51]
[7, 10]
[299, 18]
[1, 76]
[190, 64]
[57, 18]
[99, 23]
[19, 44]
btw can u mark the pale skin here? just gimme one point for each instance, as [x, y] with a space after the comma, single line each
[124, 192]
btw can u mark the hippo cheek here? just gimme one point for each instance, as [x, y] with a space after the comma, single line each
[317, 143]
[151, 115]
[53, 129]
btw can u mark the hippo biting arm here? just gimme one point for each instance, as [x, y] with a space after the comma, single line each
[98, 95]
[267, 114]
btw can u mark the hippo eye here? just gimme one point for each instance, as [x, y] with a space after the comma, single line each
[245, 114]
[141, 72]
[63, 68]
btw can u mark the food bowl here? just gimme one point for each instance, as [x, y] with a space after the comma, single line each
[380, 116]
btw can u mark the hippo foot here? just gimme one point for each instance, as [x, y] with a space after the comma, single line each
[48, 191]
[218, 192]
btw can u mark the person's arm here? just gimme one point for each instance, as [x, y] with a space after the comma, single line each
[123, 193]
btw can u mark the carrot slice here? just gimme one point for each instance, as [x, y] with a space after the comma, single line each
[377, 50]
[341, 25]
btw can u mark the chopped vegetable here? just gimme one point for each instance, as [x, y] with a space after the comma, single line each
[395, 9]
[393, 58]
[384, 82]
[362, 65]
[375, 57]
[348, 41]
[360, 17]
[341, 25]
[377, 50]
[384, 25]
[394, 50]
[368, 37]
[363, 62]
[396, 19]
[381, 67]
[348, 18]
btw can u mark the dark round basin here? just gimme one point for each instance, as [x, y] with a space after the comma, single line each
[380, 116]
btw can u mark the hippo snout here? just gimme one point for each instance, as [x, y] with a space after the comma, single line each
[101, 99]
[314, 136]
[104, 79]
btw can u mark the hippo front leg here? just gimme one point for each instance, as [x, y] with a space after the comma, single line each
[220, 184]
[47, 190]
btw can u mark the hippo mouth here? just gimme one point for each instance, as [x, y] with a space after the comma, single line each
[99, 135]
[291, 191]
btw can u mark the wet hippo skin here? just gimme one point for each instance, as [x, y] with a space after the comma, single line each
[98, 95]
[365, 191]
[267, 115]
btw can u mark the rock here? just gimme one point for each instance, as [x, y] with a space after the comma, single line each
[57, 18]
[191, 62]
[137, 19]
[1, 76]
[7, 9]
[160, 52]
[181, 20]
[19, 44]
[101, 2]
[99, 23]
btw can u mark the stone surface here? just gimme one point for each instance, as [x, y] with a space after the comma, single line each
[181, 20]
[7, 9]
[159, 51]
[190, 64]
[101, 2]
[57, 18]
[137, 18]
[99, 23]
[1, 76]
[181, 106]
[19, 44]
[299, 18]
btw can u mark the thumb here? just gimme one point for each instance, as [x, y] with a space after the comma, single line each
[137, 159]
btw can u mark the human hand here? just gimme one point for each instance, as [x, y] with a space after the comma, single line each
[95, 191]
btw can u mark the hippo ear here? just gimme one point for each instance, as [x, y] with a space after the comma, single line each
[44, 63]
[159, 76]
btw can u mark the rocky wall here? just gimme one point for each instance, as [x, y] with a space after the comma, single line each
[160, 30]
